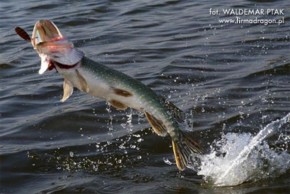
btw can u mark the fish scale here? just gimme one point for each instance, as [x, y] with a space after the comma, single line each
[119, 89]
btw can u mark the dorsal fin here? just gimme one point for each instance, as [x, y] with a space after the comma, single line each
[176, 112]
[156, 124]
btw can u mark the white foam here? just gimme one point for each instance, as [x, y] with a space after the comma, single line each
[238, 158]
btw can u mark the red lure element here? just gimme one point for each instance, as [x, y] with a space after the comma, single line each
[22, 33]
[57, 38]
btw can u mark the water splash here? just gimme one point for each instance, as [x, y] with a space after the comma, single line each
[110, 123]
[128, 125]
[238, 158]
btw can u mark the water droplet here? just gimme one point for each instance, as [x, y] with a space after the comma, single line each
[166, 160]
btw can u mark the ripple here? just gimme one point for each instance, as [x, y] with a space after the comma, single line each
[226, 78]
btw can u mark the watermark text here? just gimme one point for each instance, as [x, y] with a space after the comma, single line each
[249, 16]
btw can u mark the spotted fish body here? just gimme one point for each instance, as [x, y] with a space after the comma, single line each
[119, 89]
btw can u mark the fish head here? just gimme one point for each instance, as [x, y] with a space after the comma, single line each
[52, 47]
[45, 31]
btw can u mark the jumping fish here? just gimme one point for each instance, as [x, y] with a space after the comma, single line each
[118, 89]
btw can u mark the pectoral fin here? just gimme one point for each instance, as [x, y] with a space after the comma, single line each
[67, 90]
[156, 124]
[83, 83]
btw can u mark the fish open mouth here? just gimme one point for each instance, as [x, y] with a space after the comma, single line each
[47, 39]
[45, 31]
[52, 46]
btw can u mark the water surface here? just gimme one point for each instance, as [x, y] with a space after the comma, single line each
[231, 80]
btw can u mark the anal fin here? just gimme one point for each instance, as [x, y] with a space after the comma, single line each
[67, 90]
[156, 124]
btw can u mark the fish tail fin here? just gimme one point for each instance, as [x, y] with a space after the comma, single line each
[183, 148]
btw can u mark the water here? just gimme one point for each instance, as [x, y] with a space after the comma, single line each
[243, 157]
[231, 80]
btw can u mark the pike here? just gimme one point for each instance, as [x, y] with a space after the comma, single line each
[118, 89]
